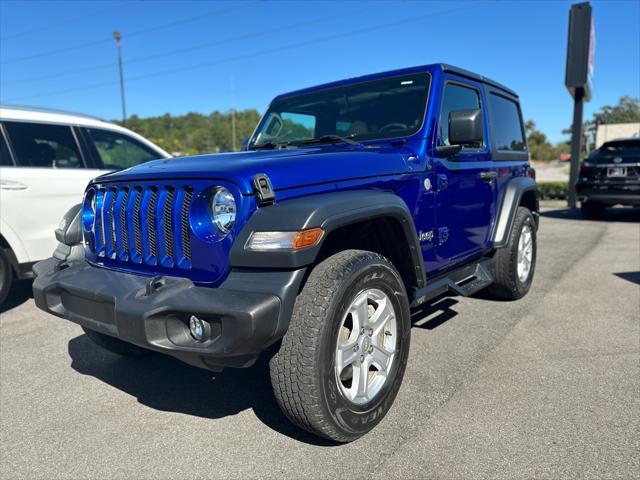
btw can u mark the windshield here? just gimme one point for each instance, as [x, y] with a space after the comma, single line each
[387, 108]
[617, 152]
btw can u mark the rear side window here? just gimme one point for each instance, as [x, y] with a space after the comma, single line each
[456, 97]
[41, 145]
[507, 126]
[117, 151]
[5, 156]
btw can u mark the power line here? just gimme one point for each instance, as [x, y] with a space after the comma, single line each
[57, 25]
[93, 43]
[254, 54]
[183, 50]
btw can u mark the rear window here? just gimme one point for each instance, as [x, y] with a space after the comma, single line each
[617, 152]
[508, 133]
[117, 151]
[42, 145]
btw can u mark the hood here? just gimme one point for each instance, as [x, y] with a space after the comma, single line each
[285, 168]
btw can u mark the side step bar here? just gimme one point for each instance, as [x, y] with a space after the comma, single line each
[464, 281]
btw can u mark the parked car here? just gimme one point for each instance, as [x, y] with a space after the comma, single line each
[47, 158]
[357, 201]
[610, 176]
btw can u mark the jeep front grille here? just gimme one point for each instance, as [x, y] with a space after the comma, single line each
[143, 224]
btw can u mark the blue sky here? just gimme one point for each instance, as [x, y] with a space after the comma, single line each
[204, 55]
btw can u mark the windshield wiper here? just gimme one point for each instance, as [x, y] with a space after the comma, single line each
[334, 139]
[270, 146]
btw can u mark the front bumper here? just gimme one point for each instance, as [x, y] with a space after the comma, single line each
[247, 313]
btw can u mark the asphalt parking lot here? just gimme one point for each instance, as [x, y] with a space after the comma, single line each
[546, 387]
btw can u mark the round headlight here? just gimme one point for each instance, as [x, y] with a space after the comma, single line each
[223, 209]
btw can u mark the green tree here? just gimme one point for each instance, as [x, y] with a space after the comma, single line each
[195, 133]
[539, 147]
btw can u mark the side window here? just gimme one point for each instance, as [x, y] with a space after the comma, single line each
[507, 127]
[456, 97]
[5, 156]
[117, 151]
[42, 145]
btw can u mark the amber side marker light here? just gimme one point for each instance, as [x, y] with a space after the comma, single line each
[307, 238]
[270, 241]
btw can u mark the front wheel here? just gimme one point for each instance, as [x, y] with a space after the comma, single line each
[342, 360]
[6, 276]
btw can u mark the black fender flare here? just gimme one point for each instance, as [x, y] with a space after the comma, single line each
[511, 199]
[328, 211]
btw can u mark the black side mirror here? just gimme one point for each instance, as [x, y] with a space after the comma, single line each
[465, 128]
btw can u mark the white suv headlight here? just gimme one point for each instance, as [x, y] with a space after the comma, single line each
[223, 209]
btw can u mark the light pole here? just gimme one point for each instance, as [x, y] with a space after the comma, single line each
[116, 36]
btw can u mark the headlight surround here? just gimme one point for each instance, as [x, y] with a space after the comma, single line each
[223, 209]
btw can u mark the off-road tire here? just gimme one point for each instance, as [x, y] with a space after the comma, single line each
[115, 345]
[591, 209]
[507, 285]
[302, 371]
[6, 276]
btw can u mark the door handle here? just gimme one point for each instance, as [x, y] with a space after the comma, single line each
[488, 176]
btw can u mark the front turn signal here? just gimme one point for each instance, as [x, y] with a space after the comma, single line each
[307, 238]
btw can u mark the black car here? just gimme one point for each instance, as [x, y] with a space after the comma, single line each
[610, 176]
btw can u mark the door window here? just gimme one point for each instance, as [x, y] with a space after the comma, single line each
[456, 97]
[42, 145]
[5, 156]
[507, 126]
[117, 151]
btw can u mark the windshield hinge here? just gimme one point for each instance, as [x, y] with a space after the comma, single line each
[264, 190]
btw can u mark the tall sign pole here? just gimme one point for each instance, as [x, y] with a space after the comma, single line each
[117, 37]
[579, 73]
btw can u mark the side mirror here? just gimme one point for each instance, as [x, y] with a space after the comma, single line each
[465, 128]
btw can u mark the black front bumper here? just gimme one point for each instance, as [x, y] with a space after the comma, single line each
[247, 313]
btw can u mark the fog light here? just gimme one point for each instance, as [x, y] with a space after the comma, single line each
[199, 328]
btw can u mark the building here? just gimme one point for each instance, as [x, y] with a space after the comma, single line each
[612, 131]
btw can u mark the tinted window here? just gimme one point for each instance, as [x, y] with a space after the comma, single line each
[617, 152]
[507, 128]
[118, 151]
[376, 109]
[5, 157]
[456, 97]
[41, 145]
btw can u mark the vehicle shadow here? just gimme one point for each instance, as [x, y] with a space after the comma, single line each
[166, 384]
[20, 292]
[433, 314]
[633, 277]
[618, 214]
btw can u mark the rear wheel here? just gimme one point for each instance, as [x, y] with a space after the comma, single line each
[116, 345]
[516, 262]
[591, 209]
[342, 360]
[6, 276]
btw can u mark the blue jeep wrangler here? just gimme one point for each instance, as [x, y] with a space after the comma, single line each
[355, 202]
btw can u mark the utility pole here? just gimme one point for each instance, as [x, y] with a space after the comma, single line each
[233, 129]
[116, 36]
[581, 46]
[576, 145]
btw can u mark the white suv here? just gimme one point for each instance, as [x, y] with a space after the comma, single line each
[47, 158]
